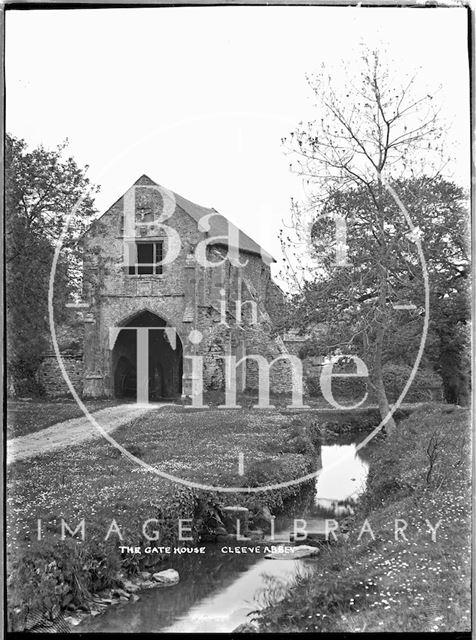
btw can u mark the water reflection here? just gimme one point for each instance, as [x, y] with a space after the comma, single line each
[228, 608]
[215, 593]
[343, 478]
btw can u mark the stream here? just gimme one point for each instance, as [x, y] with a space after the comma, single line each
[217, 590]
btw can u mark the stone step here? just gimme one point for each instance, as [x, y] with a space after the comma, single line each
[315, 536]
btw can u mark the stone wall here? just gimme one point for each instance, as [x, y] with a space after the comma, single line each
[51, 378]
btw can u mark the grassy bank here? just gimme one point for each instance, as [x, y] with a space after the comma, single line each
[420, 473]
[30, 415]
[95, 482]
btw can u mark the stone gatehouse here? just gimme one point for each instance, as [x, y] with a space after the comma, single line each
[201, 286]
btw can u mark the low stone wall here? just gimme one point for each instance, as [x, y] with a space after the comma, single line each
[51, 378]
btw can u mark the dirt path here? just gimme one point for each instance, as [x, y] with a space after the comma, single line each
[74, 431]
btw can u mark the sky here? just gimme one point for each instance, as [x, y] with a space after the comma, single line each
[200, 98]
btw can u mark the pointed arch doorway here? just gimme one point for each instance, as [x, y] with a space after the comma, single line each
[165, 358]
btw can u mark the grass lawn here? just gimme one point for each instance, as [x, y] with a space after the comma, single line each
[95, 482]
[384, 584]
[204, 446]
[28, 416]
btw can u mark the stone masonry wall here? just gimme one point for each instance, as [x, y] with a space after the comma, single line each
[51, 378]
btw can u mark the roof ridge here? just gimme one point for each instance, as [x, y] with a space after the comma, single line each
[218, 223]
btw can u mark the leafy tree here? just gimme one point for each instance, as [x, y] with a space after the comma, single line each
[369, 156]
[439, 209]
[41, 189]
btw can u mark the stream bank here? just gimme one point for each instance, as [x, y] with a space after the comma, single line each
[218, 589]
[53, 578]
[401, 563]
[51, 575]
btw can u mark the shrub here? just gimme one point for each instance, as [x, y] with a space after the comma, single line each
[342, 388]
[49, 574]
[299, 444]
[424, 383]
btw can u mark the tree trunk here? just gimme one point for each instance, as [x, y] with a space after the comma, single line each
[383, 405]
[381, 394]
[382, 320]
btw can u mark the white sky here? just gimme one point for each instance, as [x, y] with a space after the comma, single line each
[199, 98]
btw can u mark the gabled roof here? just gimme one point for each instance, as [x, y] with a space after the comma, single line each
[218, 223]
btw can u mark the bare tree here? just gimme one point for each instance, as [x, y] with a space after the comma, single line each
[371, 132]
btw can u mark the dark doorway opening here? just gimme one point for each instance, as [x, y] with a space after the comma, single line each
[165, 359]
